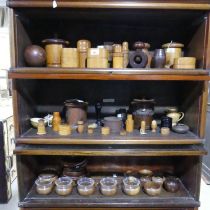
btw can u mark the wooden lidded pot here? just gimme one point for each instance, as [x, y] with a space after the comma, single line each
[173, 50]
[53, 49]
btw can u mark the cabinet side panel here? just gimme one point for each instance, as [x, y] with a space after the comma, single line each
[12, 38]
[190, 173]
[26, 175]
[196, 47]
[207, 40]
[203, 105]
[22, 40]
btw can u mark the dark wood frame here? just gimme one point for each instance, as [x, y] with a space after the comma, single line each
[28, 151]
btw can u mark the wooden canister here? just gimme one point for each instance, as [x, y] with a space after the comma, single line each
[82, 47]
[118, 56]
[69, 58]
[125, 51]
[97, 58]
[173, 50]
[53, 49]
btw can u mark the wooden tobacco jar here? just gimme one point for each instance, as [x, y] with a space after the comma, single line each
[75, 110]
[53, 48]
[82, 47]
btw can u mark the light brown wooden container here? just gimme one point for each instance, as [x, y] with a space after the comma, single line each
[118, 57]
[185, 63]
[69, 58]
[53, 49]
[82, 47]
[97, 58]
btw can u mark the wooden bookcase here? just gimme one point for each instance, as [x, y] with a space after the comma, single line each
[38, 91]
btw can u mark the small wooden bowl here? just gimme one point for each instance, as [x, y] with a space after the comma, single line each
[171, 184]
[152, 188]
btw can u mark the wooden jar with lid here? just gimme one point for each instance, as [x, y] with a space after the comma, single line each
[53, 48]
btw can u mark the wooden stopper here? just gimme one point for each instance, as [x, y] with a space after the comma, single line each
[129, 124]
[56, 121]
[154, 126]
[64, 129]
[41, 127]
[105, 130]
[165, 131]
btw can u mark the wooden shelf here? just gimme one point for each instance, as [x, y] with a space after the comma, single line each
[198, 5]
[53, 138]
[167, 200]
[108, 74]
[112, 150]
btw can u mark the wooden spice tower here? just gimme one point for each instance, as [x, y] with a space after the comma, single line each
[38, 91]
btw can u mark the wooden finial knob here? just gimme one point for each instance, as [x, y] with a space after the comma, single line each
[139, 45]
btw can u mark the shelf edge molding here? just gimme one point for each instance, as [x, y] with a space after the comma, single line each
[109, 4]
[108, 74]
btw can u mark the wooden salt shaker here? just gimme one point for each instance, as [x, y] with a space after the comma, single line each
[143, 127]
[81, 127]
[41, 127]
[154, 126]
[129, 123]
[56, 121]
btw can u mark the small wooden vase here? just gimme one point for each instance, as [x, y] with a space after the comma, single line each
[56, 121]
